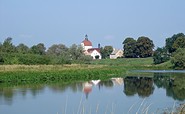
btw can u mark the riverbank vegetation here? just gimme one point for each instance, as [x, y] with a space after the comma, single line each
[173, 51]
[143, 47]
[97, 69]
[21, 64]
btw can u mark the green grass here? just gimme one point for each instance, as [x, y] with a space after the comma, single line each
[98, 69]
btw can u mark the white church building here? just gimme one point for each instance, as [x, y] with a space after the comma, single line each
[89, 50]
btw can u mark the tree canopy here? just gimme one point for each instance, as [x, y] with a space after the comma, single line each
[143, 47]
[160, 55]
[130, 47]
[173, 49]
[172, 44]
[106, 51]
[178, 58]
[37, 54]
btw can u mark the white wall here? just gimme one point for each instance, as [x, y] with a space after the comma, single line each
[95, 53]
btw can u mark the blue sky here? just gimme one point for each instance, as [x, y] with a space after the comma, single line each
[107, 22]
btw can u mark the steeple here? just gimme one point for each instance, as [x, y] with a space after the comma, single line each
[86, 37]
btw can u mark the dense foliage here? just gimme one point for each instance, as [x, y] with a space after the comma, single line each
[174, 47]
[174, 42]
[106, 51]
[37, 54]
[160, 55]
[178, 58]
[129, 46]
[142, 48]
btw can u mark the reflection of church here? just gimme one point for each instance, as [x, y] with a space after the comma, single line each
[88, 86]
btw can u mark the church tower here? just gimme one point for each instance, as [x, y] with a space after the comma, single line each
[86, 43]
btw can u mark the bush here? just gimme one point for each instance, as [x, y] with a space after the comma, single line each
[160, 56]
[178, 59]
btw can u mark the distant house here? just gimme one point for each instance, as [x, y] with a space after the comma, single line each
[116, 54]
[89, 50]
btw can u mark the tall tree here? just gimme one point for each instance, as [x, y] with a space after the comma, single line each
[22, 48]
[179, 43]
[38, 49]
[76, 51]
[145, 47]
[7, 46]
[106, 51]
[170, 41]
[57, 50]
[178, 58]
[129, 46]
[160, 55]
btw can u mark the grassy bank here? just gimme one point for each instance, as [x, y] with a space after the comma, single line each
[98, 69]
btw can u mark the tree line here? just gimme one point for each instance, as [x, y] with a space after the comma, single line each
[140, 48]
[173, 51]
[37, 54]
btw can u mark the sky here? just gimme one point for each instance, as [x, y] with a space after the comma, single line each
[107, 22]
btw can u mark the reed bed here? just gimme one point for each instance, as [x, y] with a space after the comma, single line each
[4, 68]
[98, 69]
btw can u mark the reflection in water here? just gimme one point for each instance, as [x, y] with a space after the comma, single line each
[7, 93]
[143, 86]
[174, 85]
[87, 88]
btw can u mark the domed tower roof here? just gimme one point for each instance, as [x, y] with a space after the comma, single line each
[86, 41]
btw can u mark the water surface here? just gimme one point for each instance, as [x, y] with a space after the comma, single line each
[158, 93]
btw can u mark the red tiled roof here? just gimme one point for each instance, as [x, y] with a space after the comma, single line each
[87, 42]
[92, 49]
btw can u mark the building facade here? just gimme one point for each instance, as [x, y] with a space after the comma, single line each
[89, 50]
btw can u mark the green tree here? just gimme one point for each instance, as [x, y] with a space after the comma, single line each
[160, 55]
[59, 54]
[170, 42]
[145, 47]
[22, 48]
[178, 58]
[106, 51]
[76, 51]
[7, 46]
[179, 43]
[38, 49]
[129, 46]
[57, 49]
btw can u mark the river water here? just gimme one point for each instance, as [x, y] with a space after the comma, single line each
[158, 93]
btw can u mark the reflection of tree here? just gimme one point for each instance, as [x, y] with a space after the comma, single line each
[179, 88]
[7, 94]
[143, 86]
[61, 87]
[173, 83]
[106, 83]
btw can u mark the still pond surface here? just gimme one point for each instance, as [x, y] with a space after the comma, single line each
[161, 92]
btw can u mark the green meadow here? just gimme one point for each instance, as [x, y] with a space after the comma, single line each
[97, 69]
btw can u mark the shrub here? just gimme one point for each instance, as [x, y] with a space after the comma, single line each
[160, 56]
[178, 59]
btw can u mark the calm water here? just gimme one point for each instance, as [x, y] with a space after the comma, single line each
[156, 94]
